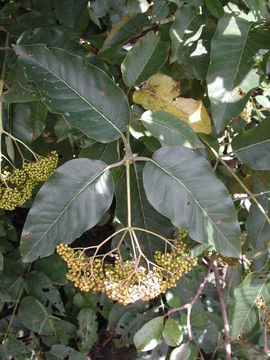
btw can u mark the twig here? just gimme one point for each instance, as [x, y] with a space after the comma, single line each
[227, 340]
[252, 197]
[229, 286]
[189, 306]
[265, 340]
[15, 307]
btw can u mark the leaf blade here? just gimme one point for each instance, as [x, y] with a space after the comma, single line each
[76, 89]
[81, 190]
[176, 183]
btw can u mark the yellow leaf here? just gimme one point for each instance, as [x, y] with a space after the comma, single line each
[160, 92]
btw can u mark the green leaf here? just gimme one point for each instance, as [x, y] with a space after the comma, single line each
[35, 317]
[180, 184]
[87, 98]
[170, 130]
[37, 284]
[53, 267]
[1, 262]
[160, 10]
[61, 352]
[182, 352]
[104, 152]
[215, 7]
[143, 215]
[69, 12]
[149, 336]
[28, 121]
[231, 82]
[144, 59]
[257, 227]
[73, 200]
[183, 18]
[171, 333]
[252, 146]
[242, 311]
[52, 36]
[258, 8]
[88, 327]
[125, 29]
[139, 6]
[263, 101]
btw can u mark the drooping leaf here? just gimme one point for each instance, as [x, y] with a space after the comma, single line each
[125, 29]
[88, 327]
[61, 352]
[160, 92]
[252, 146]
[170, 130]
[144, 59]
[149, 336]
[143, 215]
[172, 333]
[243, 318]
[87, 98]
[28, 121]
[230, 82]
[72, 200]
[177, 182]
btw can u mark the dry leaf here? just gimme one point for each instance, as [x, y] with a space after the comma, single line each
[160, 92]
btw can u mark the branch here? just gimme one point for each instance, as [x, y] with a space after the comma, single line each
[227, 340]
[189, 306]
[251, 195]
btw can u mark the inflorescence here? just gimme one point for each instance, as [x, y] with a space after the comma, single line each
[16, 187]
[127, 281]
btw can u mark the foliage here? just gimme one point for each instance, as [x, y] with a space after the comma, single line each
[135, 140]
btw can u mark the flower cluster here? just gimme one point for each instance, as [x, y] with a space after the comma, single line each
[16, 187]
[262, 307]
[130, 280]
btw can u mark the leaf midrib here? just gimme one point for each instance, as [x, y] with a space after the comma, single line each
[197, 203]
[66, 207]
[72, 89]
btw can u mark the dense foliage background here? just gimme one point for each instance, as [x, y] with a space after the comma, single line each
[159, 111]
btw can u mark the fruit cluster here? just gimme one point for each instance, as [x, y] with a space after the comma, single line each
[130, 280]
[16, 187]
[262, 307]
[221, 259]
